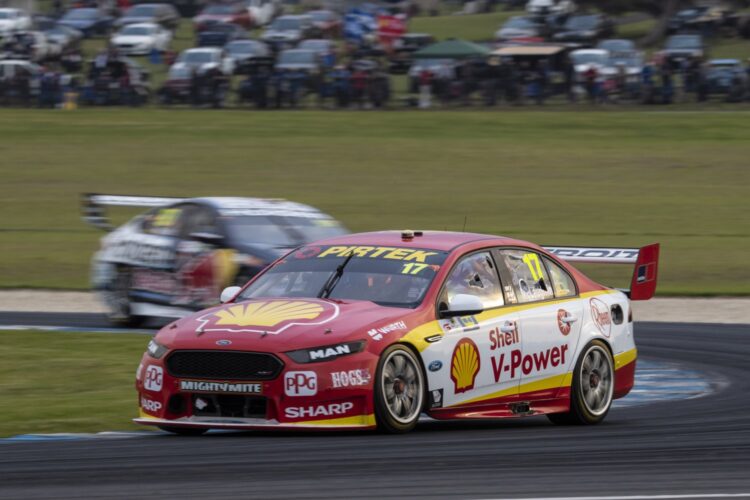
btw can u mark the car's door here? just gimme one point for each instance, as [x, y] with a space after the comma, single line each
[471, 362]
[550, 318]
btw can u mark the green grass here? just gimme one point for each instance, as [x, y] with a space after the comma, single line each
[575, 177]
[476, 27]
[68, 382]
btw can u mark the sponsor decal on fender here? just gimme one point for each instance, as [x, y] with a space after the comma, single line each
[149, 405]
[562, 325]
[300, 383]
[377, 333]
[221, 387]
[500, 339]
[465, 364]
[268, 316]
[601, 316]
[351, 378]
[463, 323]
[329, 410]
[536, 362]
[154, 378]
[436, 398]
[435, 365]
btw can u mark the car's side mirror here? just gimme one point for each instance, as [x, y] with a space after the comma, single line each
[228, 293]
[463, 305]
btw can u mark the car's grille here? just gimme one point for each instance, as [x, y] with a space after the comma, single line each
[223, 365]
[220, 405]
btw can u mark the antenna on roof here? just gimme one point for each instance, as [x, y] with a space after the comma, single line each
[465, 218]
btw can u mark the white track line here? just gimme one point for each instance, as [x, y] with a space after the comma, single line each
[636, 497]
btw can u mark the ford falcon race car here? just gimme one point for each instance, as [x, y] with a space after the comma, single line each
[178, 256]
[372, 330]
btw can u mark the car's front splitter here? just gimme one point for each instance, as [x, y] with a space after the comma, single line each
[355, 422]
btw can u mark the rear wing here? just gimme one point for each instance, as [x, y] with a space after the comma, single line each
[645, 260]
[93, 206]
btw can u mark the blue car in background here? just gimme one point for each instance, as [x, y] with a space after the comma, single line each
[88, 21]
[727, 76]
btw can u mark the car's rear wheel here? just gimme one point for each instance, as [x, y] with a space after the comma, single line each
[399, 390]
[117, 297]
[183, 431]
[592, 389]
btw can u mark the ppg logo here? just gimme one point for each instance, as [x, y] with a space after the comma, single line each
[300, 383]
[154, 378]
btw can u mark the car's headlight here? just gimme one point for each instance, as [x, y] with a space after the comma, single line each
[155, 349]
[326, 352]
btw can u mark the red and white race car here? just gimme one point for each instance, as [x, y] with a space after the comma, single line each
[375, 329]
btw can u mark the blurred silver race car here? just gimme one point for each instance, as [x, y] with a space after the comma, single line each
[178, 256]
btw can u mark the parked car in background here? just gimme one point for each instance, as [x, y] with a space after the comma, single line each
[9, 68]
[703, 19]
[177, 87]
[35, 46]
[623, 56]
[520, 27]
[89, 21]
[178, 256]
[243, 52]
[288, 31]
[163, 14]
[203, 59]
[65, 37]
[544, 8]
[299, 59]
[319, 45]
[219, 34]
[727, 76]
[13, 20]
[227, 13]
[263, 11]
[585, 59]
[586, 29]
[141, 39]
[681, 47]
[327, 23]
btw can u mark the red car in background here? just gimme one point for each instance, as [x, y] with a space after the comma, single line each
[374, 329]
[231, 13]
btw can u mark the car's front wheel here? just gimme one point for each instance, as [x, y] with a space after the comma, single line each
[592, 389]
[399, 390]
[117, 297]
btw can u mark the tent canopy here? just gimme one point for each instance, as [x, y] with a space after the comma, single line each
[451, 49]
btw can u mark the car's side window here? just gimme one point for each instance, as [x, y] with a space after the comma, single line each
[200, 219]
[528, 276]
[562, 284]
[476, 275]
[162, 221]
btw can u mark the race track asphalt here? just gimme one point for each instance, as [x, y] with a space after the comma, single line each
[695, 446]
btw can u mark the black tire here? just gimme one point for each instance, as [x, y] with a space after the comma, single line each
[183, 431]
[399, 386]
[117, 297]
[601, 381]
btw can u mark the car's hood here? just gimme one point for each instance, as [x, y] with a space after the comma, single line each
[132, 39]
[198, 66]
[280, 325]
[135, 20]
[515, 33]
[281, 35]
[208, 18]
[6, 24]
[305, 66]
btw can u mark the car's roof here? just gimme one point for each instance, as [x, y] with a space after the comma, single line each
[204, 49]
[724, 61]
[236, 206]
[142, 25]
[433, 240]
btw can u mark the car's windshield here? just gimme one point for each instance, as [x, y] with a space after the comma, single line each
[242, 48]
[589, 58]
[136, 30]
[297, 57]
[581, 23]
[6, 15]
[520, 23]
[282, 231]
[321, 15]
[141, 11]
[683, 42]
[388, 276]
[317, 45]
[285, 23]
[81, 14]
[197, 57]
[218, 9]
